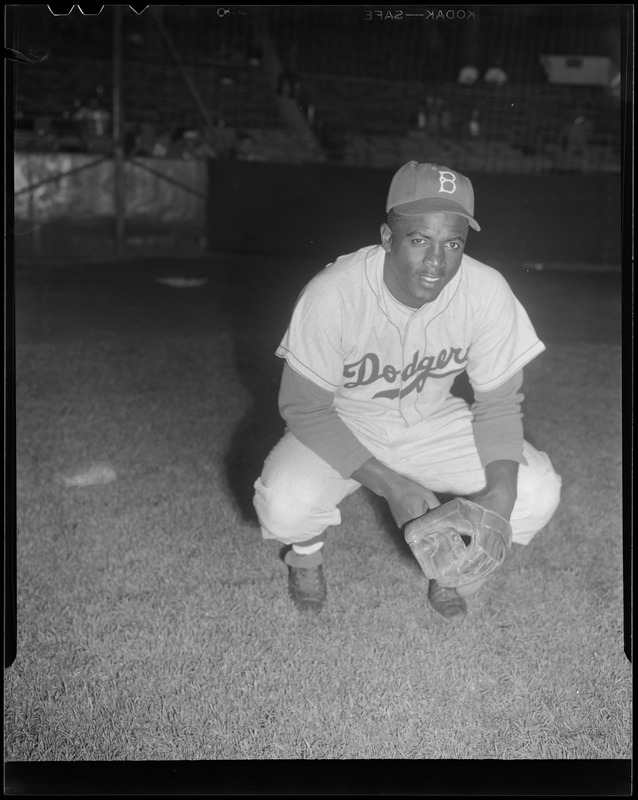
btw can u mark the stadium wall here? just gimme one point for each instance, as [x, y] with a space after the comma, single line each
[325, 211]
[64, 205]
[316, 211]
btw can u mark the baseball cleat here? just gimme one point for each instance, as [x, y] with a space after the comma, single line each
[447, 602]
[306, 582]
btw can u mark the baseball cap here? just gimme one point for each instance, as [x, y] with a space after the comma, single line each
[425, 188]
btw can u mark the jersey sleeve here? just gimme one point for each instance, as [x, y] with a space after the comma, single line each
[313, 345]
[498, 422]
[504, 340]
[310, 415]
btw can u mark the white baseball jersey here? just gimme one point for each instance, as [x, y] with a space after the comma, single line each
[389, 365]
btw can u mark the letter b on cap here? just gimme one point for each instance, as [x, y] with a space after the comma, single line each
[447, 179]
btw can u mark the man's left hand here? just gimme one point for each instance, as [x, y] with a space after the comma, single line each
[499, 493]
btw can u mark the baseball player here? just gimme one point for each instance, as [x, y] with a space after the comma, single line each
[375, 343]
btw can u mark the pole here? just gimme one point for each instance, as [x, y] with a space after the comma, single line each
[118, 143]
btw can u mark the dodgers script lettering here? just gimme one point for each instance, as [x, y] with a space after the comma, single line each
[413, 377]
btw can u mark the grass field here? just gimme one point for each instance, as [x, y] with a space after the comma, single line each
[153, 621]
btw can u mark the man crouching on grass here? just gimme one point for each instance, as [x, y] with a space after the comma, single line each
[375, 343]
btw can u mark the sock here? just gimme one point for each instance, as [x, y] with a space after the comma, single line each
[307, 549]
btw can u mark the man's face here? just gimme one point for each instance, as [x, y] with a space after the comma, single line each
[424, 253]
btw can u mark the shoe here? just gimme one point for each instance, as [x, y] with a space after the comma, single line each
[447, 602]
[306, 582]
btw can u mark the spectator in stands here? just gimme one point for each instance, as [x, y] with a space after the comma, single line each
[574, 144]
[174, 143]
[474, 124]
[95, 125]
[495, 76]
[194, 145]
[468, 75]
[246, 150]
[144, 142]
[66, 114]
[188, 144]
[162, 146]
[421, 118]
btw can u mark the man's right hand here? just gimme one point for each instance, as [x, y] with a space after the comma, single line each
[406, 498]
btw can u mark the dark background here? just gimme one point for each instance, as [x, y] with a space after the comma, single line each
[325, 211]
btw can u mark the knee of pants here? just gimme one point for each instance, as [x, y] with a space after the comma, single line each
[540, 501]
[291, 516]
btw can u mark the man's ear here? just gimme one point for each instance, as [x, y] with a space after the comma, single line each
[386, 237]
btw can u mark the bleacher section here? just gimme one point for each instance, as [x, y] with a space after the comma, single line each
[372, 122]
[359, 90]
[238, 96]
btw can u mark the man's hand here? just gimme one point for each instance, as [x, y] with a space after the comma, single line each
[406, 498]
[500, 491]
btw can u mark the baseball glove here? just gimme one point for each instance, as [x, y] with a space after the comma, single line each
[459, 542]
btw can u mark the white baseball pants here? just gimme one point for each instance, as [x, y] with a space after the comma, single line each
[298, 493]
